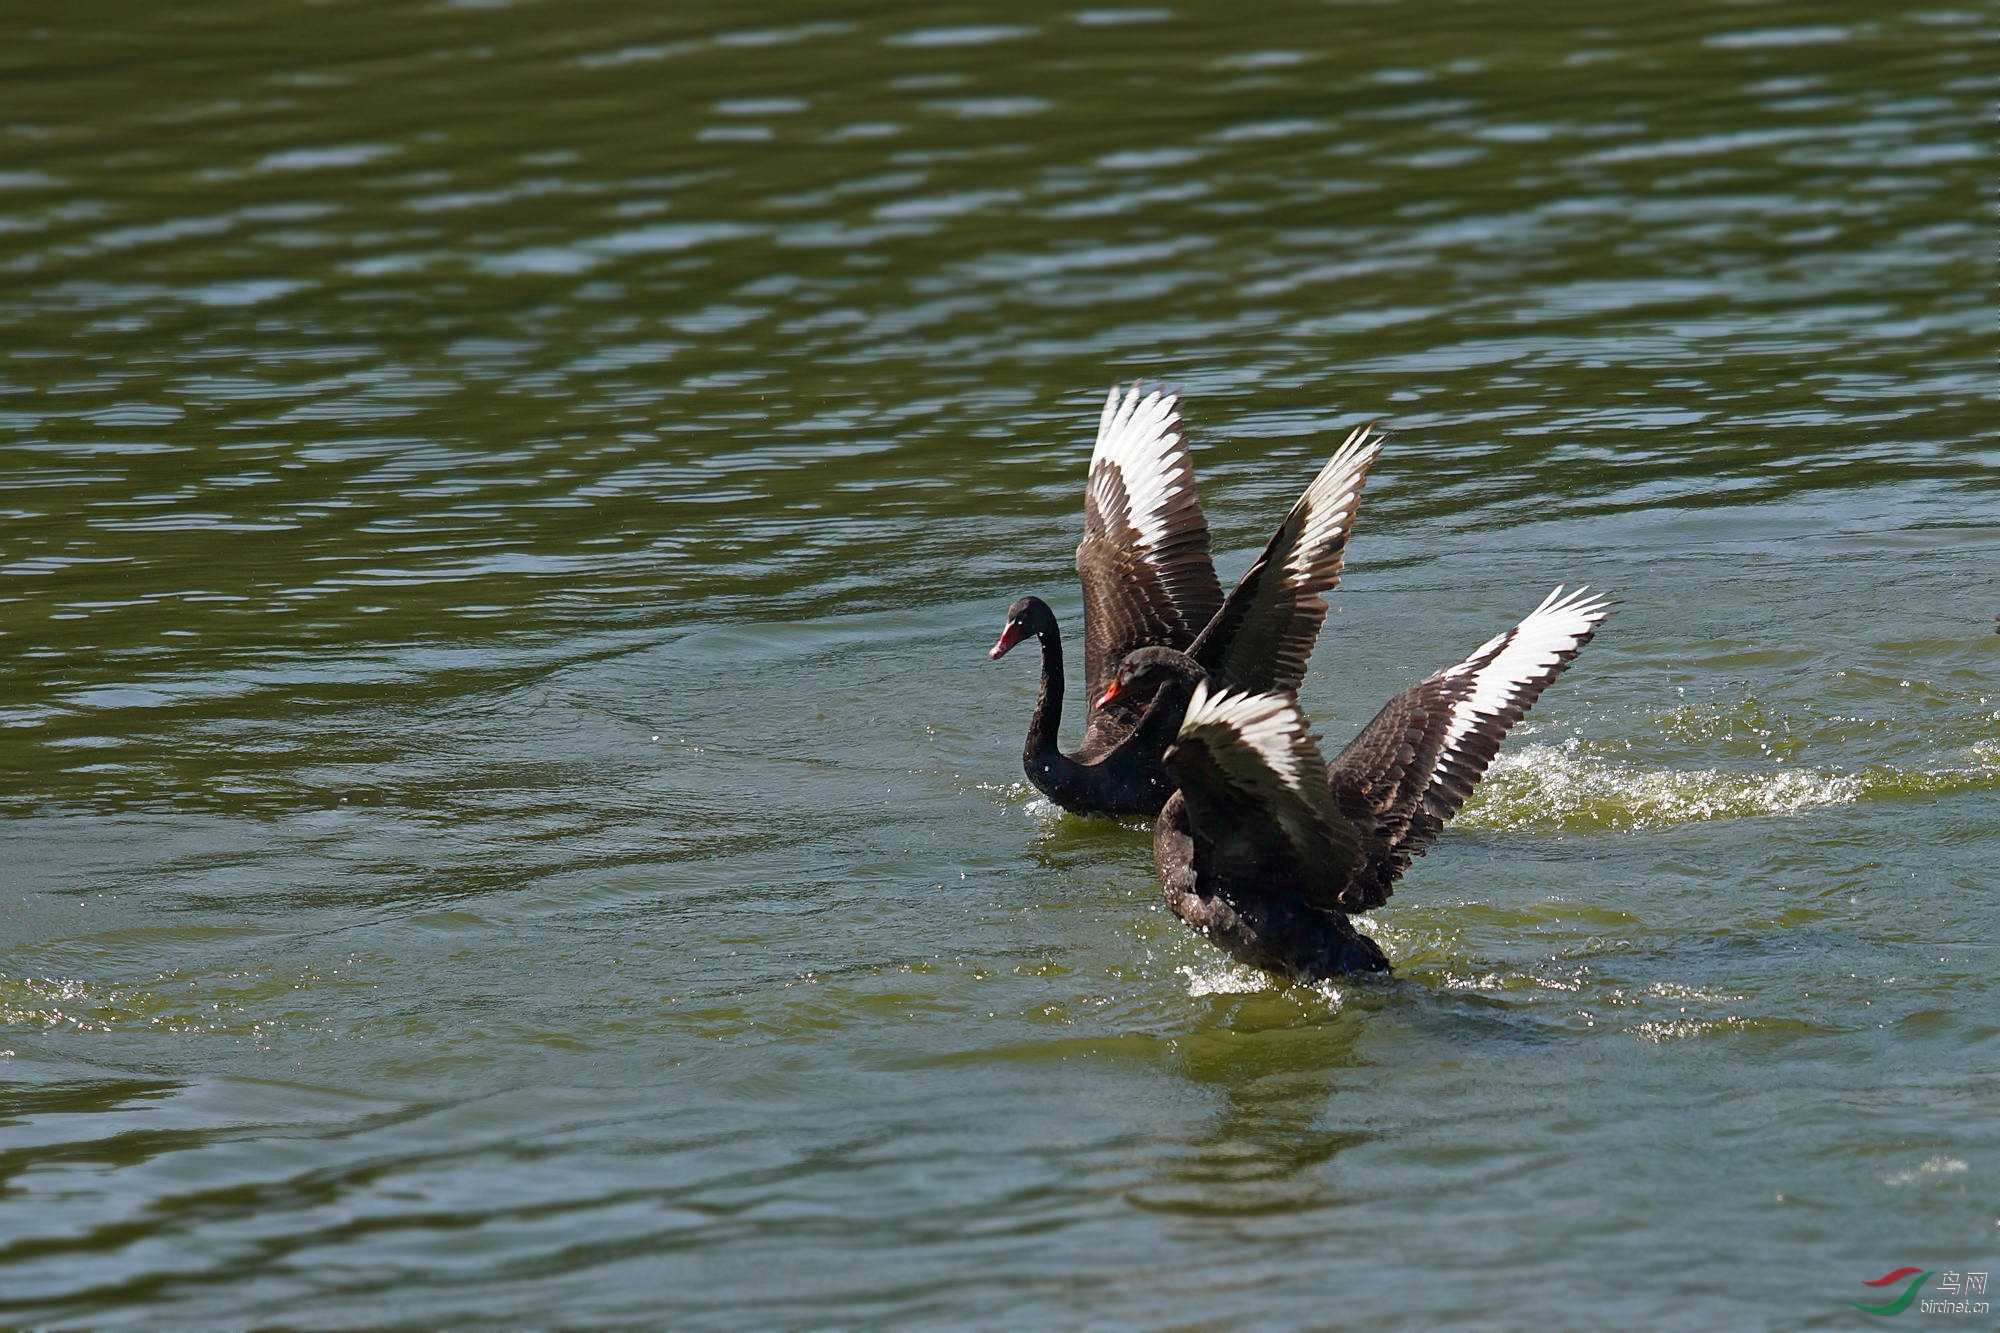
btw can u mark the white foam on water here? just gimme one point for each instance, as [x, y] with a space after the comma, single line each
[1931, 1169]
[1225, 978]
[1547, 786]
[1023, 797]
[1660, 1032]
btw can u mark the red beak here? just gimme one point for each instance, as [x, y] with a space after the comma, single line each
[1009, 636]
[1110, 693]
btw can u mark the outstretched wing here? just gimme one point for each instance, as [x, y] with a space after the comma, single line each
[1259, 804]
[1413, 767]
[1144, 562]
[1265, 632]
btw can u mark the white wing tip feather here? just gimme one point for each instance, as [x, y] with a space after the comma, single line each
[1576, 612]
[1136, 420]
[1271, 725]
[1140, 435]
[1533, 651]
[1332, 501]
[1349, 462]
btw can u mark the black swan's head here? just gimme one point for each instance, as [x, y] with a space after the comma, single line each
[1029, 616]
[1149, 670]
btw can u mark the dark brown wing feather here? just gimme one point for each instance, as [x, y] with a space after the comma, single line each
[1144, 562]
[1378, 781]
[1264, 634]
[1413, 767]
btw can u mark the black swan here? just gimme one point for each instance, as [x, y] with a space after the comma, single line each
[1148, 581]
[1267, 849]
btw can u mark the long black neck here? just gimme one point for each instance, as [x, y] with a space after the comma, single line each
[1133, 779]
[1048, 767]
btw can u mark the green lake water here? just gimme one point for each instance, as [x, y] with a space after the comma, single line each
[508, 820]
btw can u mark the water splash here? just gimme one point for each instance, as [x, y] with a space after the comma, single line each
[1932, 1170]
[1542, 788]
[1042, 810]
[1223, 977]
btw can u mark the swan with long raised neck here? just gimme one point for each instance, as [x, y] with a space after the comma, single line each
[1148, 581]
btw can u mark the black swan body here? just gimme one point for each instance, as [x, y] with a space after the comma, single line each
[1267, 849]
[1148, 581]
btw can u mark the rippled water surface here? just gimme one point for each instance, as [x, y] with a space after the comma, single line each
[509, 821]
